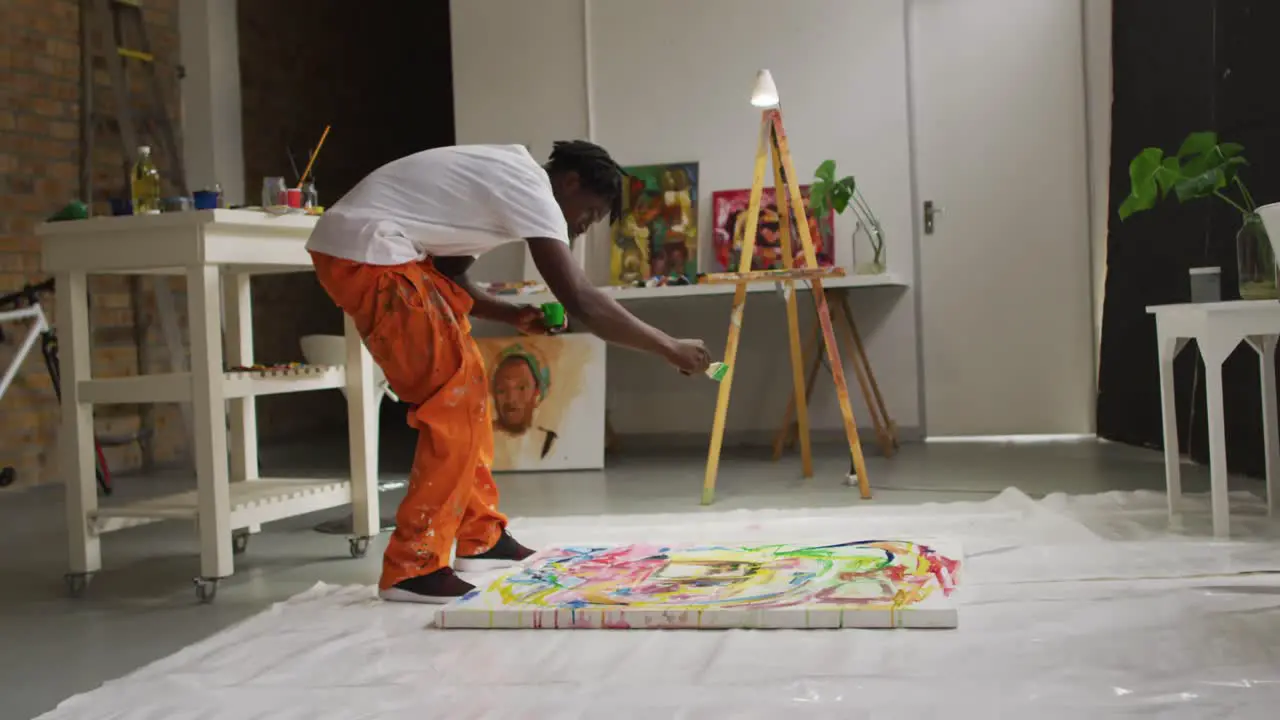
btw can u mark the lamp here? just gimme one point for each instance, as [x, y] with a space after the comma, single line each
[765, 94]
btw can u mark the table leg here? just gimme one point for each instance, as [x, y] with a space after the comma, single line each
[1168, 350]
[204, 306]
[77, 458]
[1219, 498]
[362, 418]
[1266, 347]
[239, 352]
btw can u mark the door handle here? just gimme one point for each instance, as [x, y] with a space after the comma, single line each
[931, 212]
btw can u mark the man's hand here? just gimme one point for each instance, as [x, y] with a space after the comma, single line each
[689, 356]
[529, 321]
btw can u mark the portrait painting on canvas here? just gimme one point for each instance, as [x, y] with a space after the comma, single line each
[547, 401]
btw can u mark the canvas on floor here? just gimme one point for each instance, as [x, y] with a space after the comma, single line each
[547, 401]
[862, 584]
[657, 235]
[729, 221]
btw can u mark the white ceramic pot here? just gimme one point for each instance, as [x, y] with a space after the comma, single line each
[1271, 219]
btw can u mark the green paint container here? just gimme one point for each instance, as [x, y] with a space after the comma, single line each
[553, 315]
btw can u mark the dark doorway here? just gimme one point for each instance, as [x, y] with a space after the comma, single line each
[1181, 67]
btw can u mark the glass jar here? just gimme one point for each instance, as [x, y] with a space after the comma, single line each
[274, 192]
[1256, 261]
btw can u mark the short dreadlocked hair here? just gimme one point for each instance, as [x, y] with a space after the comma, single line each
[597, 172]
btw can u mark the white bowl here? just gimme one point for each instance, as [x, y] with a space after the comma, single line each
[332, 350]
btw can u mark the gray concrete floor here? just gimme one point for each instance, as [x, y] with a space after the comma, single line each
[142, 607]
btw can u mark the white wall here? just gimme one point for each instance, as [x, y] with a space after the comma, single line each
[518, 77]
[670, 82]
[213, 147]
[1099, 92]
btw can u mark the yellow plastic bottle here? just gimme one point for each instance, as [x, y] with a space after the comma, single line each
[145, 184]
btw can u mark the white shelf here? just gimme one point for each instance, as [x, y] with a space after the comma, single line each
[176, 387]
[252, 383]
[139, 389]
[669, 292]
[253, 502]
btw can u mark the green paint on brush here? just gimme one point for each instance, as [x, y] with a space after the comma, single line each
[717, 371]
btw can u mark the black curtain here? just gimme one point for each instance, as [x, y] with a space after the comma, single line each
[1182, 66]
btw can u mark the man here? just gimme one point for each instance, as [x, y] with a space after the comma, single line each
[394, 254]
[519, 384]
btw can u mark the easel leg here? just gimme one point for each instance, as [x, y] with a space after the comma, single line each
[800, 399]
[722, 401]
[735, 317]
[842, 390]
[859, 371]
[871, 376]
[785, 439]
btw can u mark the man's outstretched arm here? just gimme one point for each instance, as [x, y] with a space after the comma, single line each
[603, 316]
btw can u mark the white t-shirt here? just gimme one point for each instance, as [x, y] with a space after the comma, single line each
[445, 202]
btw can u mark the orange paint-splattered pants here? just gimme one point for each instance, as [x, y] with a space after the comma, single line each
[414, 322]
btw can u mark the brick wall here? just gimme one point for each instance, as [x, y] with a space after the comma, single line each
[39, 160]
[294, 83]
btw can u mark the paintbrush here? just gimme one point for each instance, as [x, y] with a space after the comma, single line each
[717, 371]
[312, 161]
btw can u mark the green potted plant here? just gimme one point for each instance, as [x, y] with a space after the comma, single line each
[827, 194]
[1207, 168]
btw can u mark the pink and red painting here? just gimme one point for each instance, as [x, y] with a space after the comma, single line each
[729, 221]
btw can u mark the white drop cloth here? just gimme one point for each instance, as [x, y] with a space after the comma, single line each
[1075, 608]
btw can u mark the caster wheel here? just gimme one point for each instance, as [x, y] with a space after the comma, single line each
[240, 542]
[206, 589]
[77, 583]
[8, 476]
[359, 546]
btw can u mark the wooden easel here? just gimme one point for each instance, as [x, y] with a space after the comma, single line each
[773, 144]
[886, 429]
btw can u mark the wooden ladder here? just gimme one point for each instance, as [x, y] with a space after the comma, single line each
[117, 28]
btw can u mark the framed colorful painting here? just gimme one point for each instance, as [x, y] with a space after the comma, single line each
[729, 220]
[547, 401]
[888, 583]
[658, 232]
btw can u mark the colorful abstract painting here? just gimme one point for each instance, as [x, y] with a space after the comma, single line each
[547, 401]
[863, 584]
[729, 220]
[657, 234]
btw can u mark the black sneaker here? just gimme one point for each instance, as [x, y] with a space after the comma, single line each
[438, 588]
[504, 554]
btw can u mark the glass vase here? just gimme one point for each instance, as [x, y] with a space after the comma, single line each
[875, 240]
[1256, 260]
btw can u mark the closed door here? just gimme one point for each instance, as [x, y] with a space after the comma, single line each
[999, 129]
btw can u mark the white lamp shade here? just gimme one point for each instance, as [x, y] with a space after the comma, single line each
[765, 94]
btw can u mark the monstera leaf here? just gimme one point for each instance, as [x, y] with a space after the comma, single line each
[1151, 176]
[1203, 167]
[827, 193]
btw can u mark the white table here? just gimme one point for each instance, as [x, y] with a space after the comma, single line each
[670, 292]
[1218, 328]
[217, 251]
